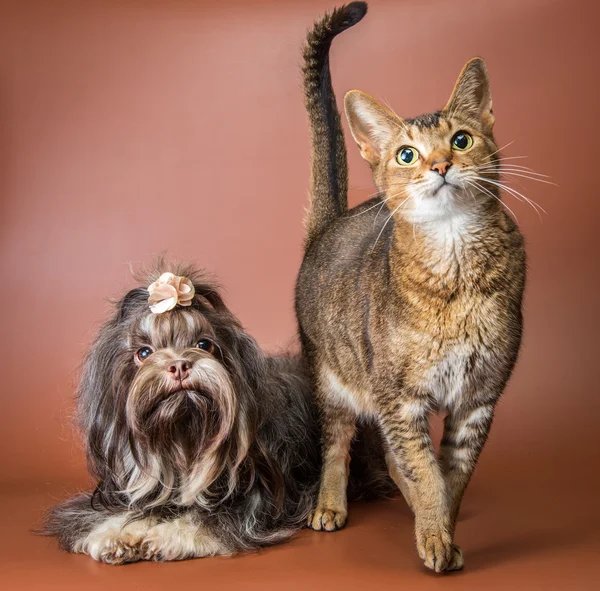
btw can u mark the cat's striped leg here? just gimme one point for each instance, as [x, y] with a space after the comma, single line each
[404, 422]
[338, 428]
[465, 432]
[397, 476]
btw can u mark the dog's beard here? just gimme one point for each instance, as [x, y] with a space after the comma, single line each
[182, 441]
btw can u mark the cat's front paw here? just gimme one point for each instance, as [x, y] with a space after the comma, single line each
[325, 519]
[436, 549]
[456, 561]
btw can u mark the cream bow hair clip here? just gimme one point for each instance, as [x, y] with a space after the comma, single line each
[168, 291]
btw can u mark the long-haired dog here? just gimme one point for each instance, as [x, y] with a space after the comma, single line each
[200, 444]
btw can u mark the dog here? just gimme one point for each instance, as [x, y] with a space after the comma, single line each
[200, 444]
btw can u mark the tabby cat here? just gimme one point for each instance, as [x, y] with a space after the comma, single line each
[409, 303]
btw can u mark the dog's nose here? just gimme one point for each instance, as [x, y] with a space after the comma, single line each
[179, 369]
[441, 166]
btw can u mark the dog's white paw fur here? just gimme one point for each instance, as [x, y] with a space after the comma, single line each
[180, 539]
[115, 541]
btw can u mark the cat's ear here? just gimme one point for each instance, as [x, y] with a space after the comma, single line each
[472, 95]
[372, 125]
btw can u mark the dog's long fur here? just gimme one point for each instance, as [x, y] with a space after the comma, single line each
[229, 463]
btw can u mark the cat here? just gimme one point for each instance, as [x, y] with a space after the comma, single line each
[410, 303]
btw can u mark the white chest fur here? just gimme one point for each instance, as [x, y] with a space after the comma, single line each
[359, 400]
[449, 380]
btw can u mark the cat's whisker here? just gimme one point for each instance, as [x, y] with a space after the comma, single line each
[372, 206]
[511, 168]
[379, 204]
[503, 158]
[471, 195]
[531, 178]
[488, 192]
[519, 173]
[378, 192]
[515, 194]
[502, 173]
[499, 149]
[377, 216]
[386, 222]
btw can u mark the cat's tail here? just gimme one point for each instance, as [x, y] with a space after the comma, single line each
[329, 166]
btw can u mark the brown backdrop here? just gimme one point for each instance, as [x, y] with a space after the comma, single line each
[131, 127]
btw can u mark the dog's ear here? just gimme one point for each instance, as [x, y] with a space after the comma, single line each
[210, 295]
[255, 381]
[104, 381]
[132, 301]
[245, 357]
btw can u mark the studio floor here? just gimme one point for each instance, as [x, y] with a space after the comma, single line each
[522, 527]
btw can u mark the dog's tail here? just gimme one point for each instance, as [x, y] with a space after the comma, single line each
[329, 167]
[72, 520]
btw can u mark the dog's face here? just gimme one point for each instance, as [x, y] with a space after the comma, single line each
[166, 399]
[181, 393]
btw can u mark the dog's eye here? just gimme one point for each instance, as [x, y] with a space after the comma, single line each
[206, 345]
[143, 353]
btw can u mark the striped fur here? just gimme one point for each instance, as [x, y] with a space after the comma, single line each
[329, 166]
[410, 303]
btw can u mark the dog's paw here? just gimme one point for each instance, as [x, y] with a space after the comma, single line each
[113, 546]
[436, 550]
[151, 548]
[324, 519]
[115, 541]
[117, 551]
[179, 539]
[171, 540]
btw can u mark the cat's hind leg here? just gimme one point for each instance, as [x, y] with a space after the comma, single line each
[397, 476]
[338, 426]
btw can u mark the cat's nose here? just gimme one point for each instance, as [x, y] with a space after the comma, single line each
[179, 369]
[441, 166]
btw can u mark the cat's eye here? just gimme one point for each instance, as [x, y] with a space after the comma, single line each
[407, 156]
[462, 141]
[206, 345]
[142, 354]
